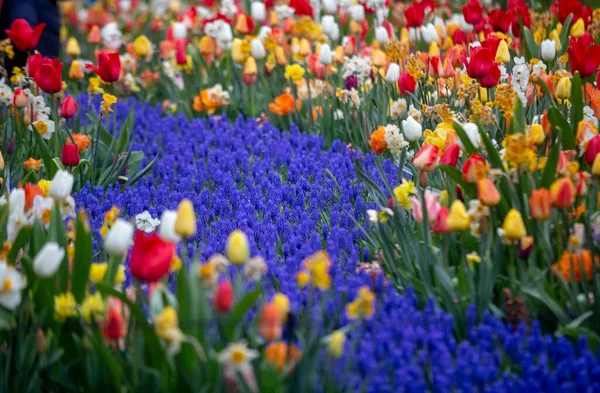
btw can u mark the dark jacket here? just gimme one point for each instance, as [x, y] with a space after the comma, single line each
[34, 12]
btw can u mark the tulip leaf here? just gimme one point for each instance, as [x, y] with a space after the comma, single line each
[549, 302]
[564, 34]
[108, 359]
[45, 153]
[7, 321]
[464, 138]
[575, 333]
[134, 179]
[532, 48]
[125, 135]
[19, 243]
[56, 233]
[576, 100]
[493, 155]
[457, 177]
[241, 308]
[83, 258]
[517, 123]
[567, 135]
[549, 172]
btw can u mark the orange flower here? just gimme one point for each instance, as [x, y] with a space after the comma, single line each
[378, 143]
[540, 204]
[570, 264]
[563, 193]
[269, 324]
[278, 355]
[487, 192]
[82, 142]
[316, 112]
[31, 191]
[32, 164]
[204, 103]
[284, 104]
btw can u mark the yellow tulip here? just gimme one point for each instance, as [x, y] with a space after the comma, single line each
[578, 29]
[237, 54]
[336, 344]
[73, 48]
[282, 302]
[502, 54]
[563, 89]
[250, 66]
[458, 218]
[207, 46]
[513, 226]
[142, 46]
[237, 249]
[596, 166]
[185, 223]
[434, 49]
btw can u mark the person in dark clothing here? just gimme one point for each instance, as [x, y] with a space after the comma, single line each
[34, 12]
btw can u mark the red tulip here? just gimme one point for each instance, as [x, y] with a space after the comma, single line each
[20, 98]
[151, 257]
[492, 78]
[584, 56]
[567, 7]
[441, 221]
[180, 52]
[223, 299]
[301, 7]
[46, 73]
[499, 20]
[70, 155]
[450, 156]
[480, 62]
[23, 36]
[68, 108]
[459, 37]
[414, 14]
[435, 66]
[474, 168]
[406, 83]
[427, 158]
[563, 193]
[492, 41]
[592, 150]
[473, 12]
[109, 67]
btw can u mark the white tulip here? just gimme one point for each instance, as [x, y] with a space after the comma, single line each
[16, 200]
[330, 6]
[357, 12]
[167, 226]
[548, 50]
[225, 34]
[335, 32]
[473, 133]
[393, 73]
[61, 185]
[327, 22]
[258, 49]
[180, 30]
[412, 129]
[111, 35]
[48, 259]
[381, 35]
[118, 239]
[325, 56]
[464, 26]
[414, 34]
[258, 11]
[429, 33]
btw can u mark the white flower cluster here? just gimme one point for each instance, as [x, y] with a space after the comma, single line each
[228, 8]
[520, 78]
[398, 107]
[220, 31]
[284, 11]
[395, 140]
[359, 67]
[216, 93]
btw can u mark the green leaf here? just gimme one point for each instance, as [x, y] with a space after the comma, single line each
[592, 338]
[135, 160]
[532, 48]
[549, 172]
[47, 158]
[142, 173]
[455, 175]
[567, 135]
[108, 359]
[576, 100]
[7, 320]
[83, 258]
[493, 154]
[549, 302]
[125, 135]
[564, 34]
[517, 124]
[464, 139]
[241, 307]
[19, 243]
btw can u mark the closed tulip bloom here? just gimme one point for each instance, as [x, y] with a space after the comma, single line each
[48, 259]
[513, 226]
[109, 67]
[75, 71]
[47, 73]
[68, 108]
[381, 35]
[393, 74]
[70, 155]
[61, 185]
[502, 53]
[412, 129]
[237, 249]
[596, 166]
[563, 89]
[540, 204]
[236, 51]
[258, 49]
[282, 302]
[335, 348]
[474, 168]
[592, 150]
[258, 11]
[458, 218]
[208, 46]
[167, 226]
[94, 36]
[548, 50]
[223, 299]
[118, 238]
[563, 193]
[578, 28]
[487, 193]
[23, 36]
[472, 132]
[142, 46]
[270, 323]
[151, 256]
[20, 98]
[427, 158]
[73, 48]
[180, 31]
[450, 156]
[185, 224]
[325, 56]
[441, 221]
[327, 22]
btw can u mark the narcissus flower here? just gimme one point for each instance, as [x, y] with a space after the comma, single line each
[65, 306]
[294, 72]
[336, 341]
[363, 306]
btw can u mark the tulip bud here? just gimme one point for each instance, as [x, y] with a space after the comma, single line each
[258, 49]
[458, 218]
[118, 239]
[250, 71]
[237, 249]
[412, 129]
[207, 46]
[325, 56]
[357, 12]
[381, 35]
[48, 259]
[472, 132]
[540, 204]
[75, 71]
[563, 193]
[73, 48]
[548, 49]
[393, 73]
[327, 22]
[94, 37]
[487, 193]
[592, 150]
[185, 224]
[335, 348]
[258, 11]
[429, 33]
[379, 59]
[502, 53]
[142, 46]
[180, 31]
[223, 299]
[427, 158]
[236, 51]
[450, 156]
[70, 155]
[167, 226]
[525, 247]
[61, 185]
[282, 302]
[330, 6]
[68, 108]
[578, 28]
[513, 226]
[20, 98]
[563, 89]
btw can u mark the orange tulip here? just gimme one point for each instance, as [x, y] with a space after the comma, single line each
[540, 204]
[487, 193]
[378, 143]
[284, 104]
[270, 325]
